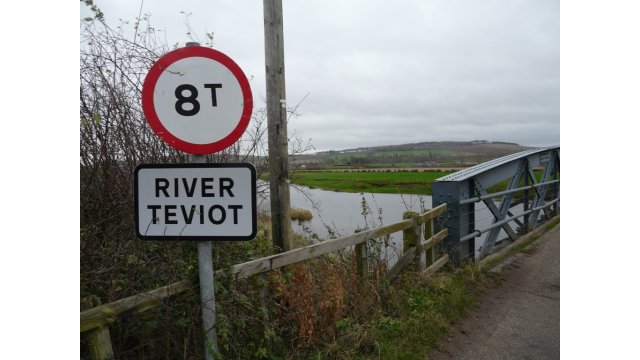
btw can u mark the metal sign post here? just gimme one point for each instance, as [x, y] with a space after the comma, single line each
[207, 288]
[199, 101]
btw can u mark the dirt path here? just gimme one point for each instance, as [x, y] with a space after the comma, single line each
[520, 319]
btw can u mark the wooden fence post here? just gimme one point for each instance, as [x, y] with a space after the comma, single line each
[99, 338]
[263, 292]
[362, 263]
[411, 238]
[428, 233]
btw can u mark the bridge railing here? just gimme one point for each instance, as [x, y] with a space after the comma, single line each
[476, 221]
[418, 237]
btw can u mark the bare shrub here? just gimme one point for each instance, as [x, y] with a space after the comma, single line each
[114, 139]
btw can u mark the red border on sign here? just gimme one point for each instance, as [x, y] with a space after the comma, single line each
[149, 110]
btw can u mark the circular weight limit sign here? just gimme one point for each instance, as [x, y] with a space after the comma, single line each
[197, 100]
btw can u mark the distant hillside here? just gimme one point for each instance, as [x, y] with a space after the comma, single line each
[424, 154]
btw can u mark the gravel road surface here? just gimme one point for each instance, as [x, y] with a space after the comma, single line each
[520, 319]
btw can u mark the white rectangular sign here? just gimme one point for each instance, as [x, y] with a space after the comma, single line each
[195, 201]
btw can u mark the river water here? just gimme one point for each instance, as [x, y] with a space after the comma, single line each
[337, 214]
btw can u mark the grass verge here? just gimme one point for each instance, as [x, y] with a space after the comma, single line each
[414, 314]
[519, 247]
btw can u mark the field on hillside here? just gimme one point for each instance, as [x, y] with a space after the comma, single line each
[429, 154]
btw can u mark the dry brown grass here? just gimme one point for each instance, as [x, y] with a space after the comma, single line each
[301, 214]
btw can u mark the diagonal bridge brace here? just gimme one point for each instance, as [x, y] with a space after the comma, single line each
[501, 213]
[542, 192]
[539, 192]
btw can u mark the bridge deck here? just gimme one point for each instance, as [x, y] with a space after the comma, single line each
[520, 319]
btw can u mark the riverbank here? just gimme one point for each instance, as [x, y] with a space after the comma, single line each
[389, 181]
[392, 182]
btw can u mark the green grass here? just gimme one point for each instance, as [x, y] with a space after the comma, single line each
[501, 186]
[422, 316]
[552, 225]
[416, 314]
[404, 182]
[394, 182]
[525, 246]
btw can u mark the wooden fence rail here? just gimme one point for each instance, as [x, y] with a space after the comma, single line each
[108, 313]
[97, 318]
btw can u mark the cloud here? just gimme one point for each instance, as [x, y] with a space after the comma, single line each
[382, 72]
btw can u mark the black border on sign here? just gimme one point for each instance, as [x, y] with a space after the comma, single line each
[254, 213]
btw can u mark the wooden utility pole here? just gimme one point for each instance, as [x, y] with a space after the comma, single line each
[277, 125]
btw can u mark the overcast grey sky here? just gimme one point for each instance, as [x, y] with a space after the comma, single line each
[383, 72]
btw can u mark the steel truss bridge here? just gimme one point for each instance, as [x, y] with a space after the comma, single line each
[491, 204]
